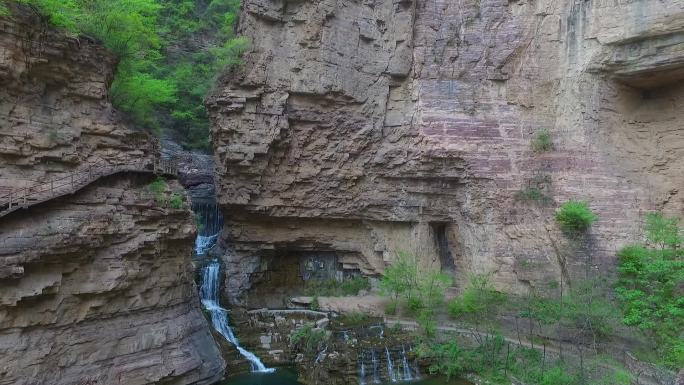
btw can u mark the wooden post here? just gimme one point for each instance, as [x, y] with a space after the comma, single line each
[10, 199]
[52, 187]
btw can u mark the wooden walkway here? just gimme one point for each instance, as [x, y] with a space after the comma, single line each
[21, 198]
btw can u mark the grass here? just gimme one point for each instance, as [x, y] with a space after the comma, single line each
[534, 195]
[541, 141]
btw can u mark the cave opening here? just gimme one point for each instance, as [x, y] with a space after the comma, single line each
[442, 245]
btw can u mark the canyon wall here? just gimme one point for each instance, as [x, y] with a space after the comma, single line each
[96, 286]
[364, 128]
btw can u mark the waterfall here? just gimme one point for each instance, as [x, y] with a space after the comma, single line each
[209, 223]
[406, 365]
[374, 358]
[362, 371]
[219, 316]
[397, 364]
[390, 366]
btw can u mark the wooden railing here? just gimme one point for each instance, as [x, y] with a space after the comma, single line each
[39, 192]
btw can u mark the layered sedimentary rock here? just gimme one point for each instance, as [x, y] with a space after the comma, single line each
[56, 115]
[99, 287]
[96, 287]
[363, 128]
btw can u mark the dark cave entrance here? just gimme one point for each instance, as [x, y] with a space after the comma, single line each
[440, 231]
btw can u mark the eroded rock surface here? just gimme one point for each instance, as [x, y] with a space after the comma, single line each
[56, 116]
[368, 127]
[99, 287]
[96, 287]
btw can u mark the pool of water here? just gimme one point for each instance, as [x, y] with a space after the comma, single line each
[288, 376]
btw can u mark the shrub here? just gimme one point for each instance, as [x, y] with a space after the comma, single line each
[478, 302]
[533, 194]
[541, 141]
[308, 339]
[650, 287]
[176, 201]
[391, 307]
[158, 189]
[427, 321]
[352, 286]
[575, 217]
[355, 318]
[315, 305]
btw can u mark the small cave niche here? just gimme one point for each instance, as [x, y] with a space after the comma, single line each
[291, 273]
[440, 231]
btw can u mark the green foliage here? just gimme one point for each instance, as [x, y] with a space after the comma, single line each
[497, 361]
[308, 339]
[199, 221]
[426, 320]
[4, 11]
[176, 201]
[479, 302]
[422, 291]
[158, 189]
[391, 307]
[163, 74]
[355, 318]
[575, 217]
[541, 141]
[533, 194]
[315, 305]
[651, 287]
[401, 277]
[447, 359]
[664, 232]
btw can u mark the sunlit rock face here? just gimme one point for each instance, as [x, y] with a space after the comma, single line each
[95, 286]
[367, 127]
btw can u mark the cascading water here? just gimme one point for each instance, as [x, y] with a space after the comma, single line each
[376, 377]
[210, 223]
[390, 366]
[408, 376]
[219, 316]
[396, 364]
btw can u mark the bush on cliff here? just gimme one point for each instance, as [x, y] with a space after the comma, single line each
[542, 142]
[575, 217]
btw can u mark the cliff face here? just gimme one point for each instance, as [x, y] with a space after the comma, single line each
[55, 114]
[95, 286]
[366, 127]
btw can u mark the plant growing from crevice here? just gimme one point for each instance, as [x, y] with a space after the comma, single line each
[308, 339]
[537, 190]
[575, 217]
[176, 201]
[541, 141]
[158, 189]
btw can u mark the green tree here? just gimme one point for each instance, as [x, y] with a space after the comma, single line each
[651, 287]
[163, 74]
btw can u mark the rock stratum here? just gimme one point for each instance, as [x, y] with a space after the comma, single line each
[96, 286]
[363, 128]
